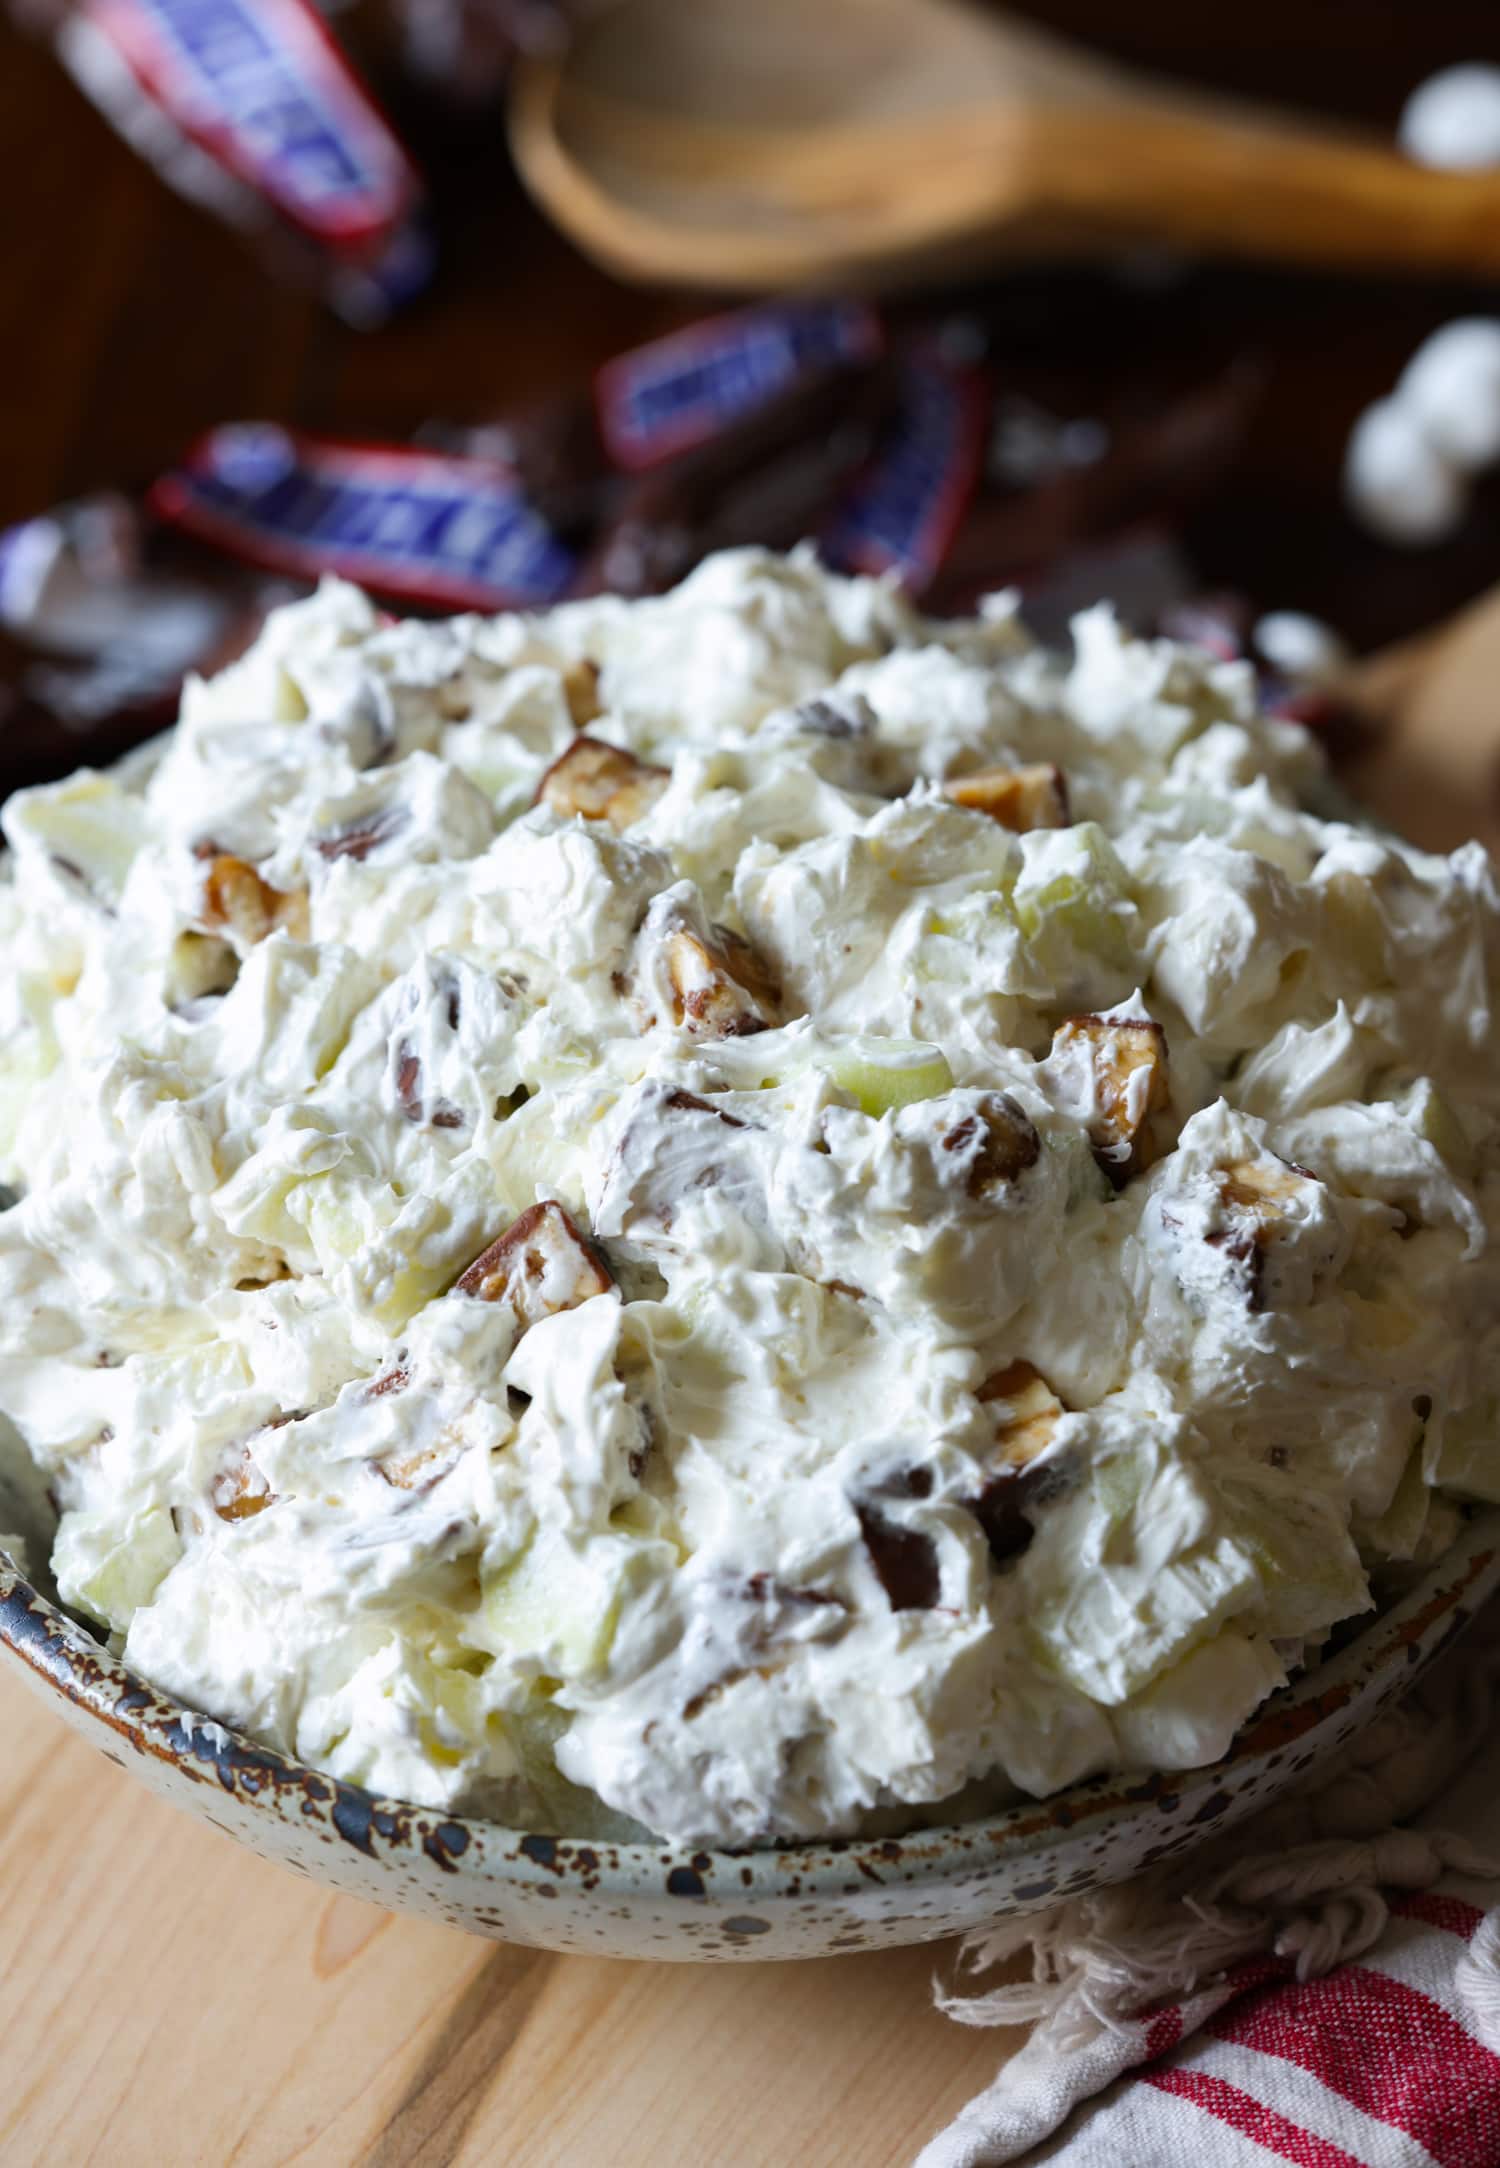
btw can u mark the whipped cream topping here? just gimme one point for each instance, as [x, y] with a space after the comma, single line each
[910, 1219]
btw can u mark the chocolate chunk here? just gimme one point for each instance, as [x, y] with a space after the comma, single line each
[905, 1560]
[764, 1588]
[905, 1483]
[1004, 1508]
[827, 719]
[689, 1103]
[408, 1083]
[360, 837]
[999, 1140]
[442, 1114]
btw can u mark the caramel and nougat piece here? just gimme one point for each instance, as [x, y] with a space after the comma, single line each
[602, 783]
[1026, 1414]
[236, 898]
[580, 683]
[997, 1142]
[240, 1491]
[1025, 1411]
[1128, 1059]
[418, 1470]
[1257, 1200]
[716, 985]
[541, 1264]
[1033, 796]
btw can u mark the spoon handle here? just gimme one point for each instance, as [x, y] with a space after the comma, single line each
[1222, 178]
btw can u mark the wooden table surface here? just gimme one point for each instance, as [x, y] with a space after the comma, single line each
[165, 1997]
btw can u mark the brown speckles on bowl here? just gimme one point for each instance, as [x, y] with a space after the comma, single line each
[669, 1901]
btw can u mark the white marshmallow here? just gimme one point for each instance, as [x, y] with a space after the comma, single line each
[1453, 119]
[1452, 385]
[1397, 482]
[1300, 647]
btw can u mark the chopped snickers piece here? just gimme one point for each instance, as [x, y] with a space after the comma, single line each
[720, 988]
[416, 1471]
[905, 1560]
[1027, 1412]
[602, 783]
[998, 1142]
[540, 1265]
[236, 898]
[1020, 799]
[239, 1492]
[1128, 1056]
[1255, 1196]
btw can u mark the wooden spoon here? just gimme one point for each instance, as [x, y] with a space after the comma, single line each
[1432, 765]
[808, 142]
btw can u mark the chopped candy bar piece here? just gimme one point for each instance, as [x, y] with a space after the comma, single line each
[905, 1560]
[1128, 1058]
[1026, 1411]
[235, 896]
[540, 1265]
[998, 1141]
[1026, 1416]
[1018, 798]
[239, 1492]
[417, 1471]
[581, 690]
[1257, 1197]
[720, 988]
[601, 783]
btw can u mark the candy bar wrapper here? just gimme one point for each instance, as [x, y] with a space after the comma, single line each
[251, 107]
[103, 619]
[767, 477]
[769, 425]
[676, 393]
[423, 527]
[903, 513]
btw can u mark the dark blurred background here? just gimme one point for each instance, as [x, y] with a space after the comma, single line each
[131, 319]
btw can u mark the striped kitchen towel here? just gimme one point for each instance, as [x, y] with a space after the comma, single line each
[1321, 1986]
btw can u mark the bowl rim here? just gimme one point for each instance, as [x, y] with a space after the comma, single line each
[1383, 1654]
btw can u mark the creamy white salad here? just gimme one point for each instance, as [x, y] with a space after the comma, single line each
[743, 1213]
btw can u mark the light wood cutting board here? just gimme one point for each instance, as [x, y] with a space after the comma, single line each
[167, 1998]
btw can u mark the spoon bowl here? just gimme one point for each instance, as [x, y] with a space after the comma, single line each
[882, 142]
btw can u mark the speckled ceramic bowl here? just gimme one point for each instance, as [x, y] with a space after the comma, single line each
[668, 1901]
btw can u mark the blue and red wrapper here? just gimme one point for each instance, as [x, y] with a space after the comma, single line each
[253, 107]
[430, 528]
